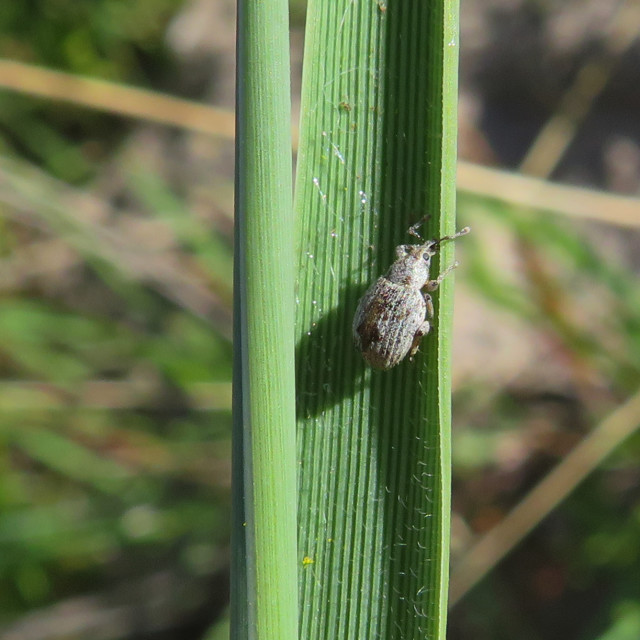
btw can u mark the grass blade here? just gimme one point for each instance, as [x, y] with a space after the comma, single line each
[377, 151]
[264, 584]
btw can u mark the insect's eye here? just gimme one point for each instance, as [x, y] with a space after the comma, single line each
[426, 256]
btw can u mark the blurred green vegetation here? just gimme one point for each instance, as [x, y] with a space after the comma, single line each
[115, 359]
[118, 40]
[574, 301]
[115, 368]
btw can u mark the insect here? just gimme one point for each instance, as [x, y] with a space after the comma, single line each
[393, 315]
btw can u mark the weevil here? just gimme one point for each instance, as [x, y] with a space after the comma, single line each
[395, 312]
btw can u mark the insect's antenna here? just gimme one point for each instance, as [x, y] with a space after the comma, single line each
[462, 232]
[413, 230]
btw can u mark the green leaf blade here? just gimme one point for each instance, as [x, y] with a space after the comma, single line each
[264, 563]
[377, 151]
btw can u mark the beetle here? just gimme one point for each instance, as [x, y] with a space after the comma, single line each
[394, 313]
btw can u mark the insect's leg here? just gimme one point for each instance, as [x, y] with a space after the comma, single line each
[428, 300]
[422, 331]
[432, 285]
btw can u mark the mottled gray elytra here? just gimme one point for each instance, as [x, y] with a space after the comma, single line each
[393, 315]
